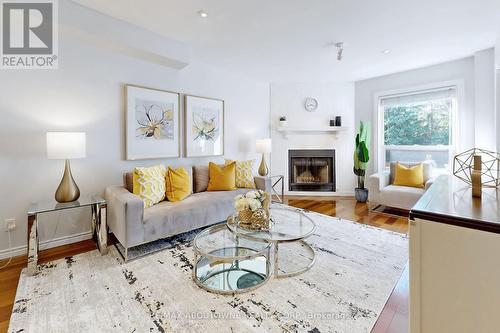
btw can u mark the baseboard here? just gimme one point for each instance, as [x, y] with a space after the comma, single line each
[47, 244]
[13, 252]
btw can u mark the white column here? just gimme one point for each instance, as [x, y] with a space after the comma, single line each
[498, 104]
[497, 67]
[484, 88]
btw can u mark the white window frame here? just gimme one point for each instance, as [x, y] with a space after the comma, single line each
[378, 117]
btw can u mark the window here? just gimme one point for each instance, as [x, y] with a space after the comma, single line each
[418, 126]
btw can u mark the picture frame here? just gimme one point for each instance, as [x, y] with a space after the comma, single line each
[204, 126]
[152, 123]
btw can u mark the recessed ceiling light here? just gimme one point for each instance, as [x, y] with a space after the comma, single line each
[386, 51]
[203, 13]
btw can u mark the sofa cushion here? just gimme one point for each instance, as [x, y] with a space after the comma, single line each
[200, 178]
[179, 184]
[128, 181]
[427, 165]
[128, 178]
[244, 173]
[222, 178]
[196, 211]
[409, 176]
[149, 184]
[403, 197]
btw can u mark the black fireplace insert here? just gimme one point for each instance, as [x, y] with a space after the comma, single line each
[311, 170]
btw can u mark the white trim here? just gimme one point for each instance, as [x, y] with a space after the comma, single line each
[47, 244]
[13, 252]
[460, 91]
[418, 147]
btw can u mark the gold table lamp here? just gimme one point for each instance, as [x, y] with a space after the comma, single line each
[66, 146]
[263, 146]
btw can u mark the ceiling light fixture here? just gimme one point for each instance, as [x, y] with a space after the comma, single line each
[203, 13]
[386, 51]
[340, 50]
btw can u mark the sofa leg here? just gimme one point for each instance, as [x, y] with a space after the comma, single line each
[123, 255]
[372, 207]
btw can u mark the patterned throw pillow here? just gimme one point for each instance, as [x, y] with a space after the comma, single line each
[149, 184]
[244, 173]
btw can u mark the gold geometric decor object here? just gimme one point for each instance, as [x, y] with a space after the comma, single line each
[463, 166]
[476, 177]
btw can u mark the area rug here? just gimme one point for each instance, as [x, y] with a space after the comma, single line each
[356, 269]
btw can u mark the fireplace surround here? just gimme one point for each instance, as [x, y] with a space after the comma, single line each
[311, 170]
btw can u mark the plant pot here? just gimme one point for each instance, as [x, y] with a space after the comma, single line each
[283, 123]
[361, 194]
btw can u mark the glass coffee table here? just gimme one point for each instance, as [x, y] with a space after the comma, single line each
[230, 259]
[292, 255]
[227, 264]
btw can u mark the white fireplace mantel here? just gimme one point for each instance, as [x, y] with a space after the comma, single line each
[309, 130]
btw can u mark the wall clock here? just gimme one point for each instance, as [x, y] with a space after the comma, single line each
[311, 104]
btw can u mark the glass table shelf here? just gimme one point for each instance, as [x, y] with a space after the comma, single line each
[228, 264]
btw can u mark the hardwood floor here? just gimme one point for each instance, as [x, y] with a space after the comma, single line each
[394, 317]
[347, 208]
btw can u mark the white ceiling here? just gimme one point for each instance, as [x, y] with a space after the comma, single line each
[291, 40]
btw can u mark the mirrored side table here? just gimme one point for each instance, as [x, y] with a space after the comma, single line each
[99, 228]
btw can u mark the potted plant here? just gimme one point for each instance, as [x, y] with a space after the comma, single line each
[361, 158]
[283, 121]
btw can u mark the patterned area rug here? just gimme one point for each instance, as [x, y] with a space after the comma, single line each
[356, 268]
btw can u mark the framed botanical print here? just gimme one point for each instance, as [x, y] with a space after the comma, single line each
[204, 119]
[152, 123]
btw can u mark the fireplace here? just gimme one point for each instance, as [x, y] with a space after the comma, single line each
[311, 170]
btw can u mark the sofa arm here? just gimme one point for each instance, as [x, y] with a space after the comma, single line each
[378, 180]
[125, 214]
[264, 183]
[375, 183]
[429, 182]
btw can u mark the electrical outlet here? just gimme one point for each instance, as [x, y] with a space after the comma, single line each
[10, 224]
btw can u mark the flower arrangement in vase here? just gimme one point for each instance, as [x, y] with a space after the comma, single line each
[253, 210]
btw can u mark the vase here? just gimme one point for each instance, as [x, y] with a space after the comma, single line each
[258, 219]
[361, 194]
[283, 123]
[253, 220]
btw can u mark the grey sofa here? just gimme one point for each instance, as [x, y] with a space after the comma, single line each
[133, 225]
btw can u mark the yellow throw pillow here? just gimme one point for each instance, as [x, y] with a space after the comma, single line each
[221, 178]
[149, 184]
[178, 184]
[244, 173]
[412, 176]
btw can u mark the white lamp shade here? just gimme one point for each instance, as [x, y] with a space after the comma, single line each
[66, 145]
[263, 146]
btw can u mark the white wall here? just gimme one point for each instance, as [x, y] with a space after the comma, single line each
[484, 96]
[497, 51]
[497, 85]
[461, 70]
[334, 99]
[86, 94]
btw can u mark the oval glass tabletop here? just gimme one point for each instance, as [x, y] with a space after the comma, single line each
[288, 224]
[219, 242]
